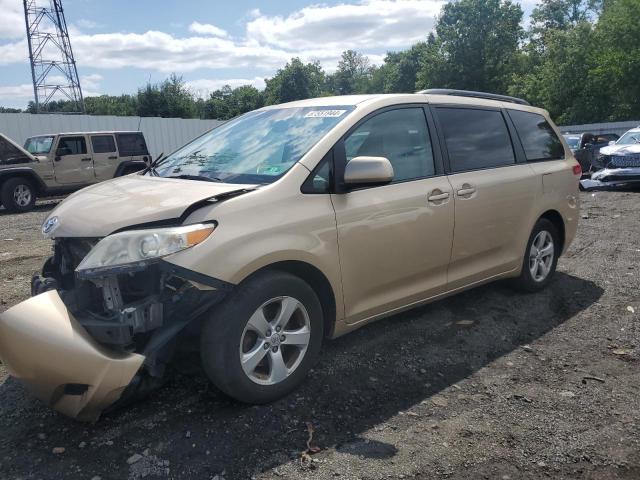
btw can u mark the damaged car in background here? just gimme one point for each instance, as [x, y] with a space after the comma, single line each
[283, 227]
[616, 165]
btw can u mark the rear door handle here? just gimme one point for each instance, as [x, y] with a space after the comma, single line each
[437, 197]
[466, 190]
[113, 157]
[86, 159]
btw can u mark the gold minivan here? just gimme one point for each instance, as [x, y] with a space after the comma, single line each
[283, 227]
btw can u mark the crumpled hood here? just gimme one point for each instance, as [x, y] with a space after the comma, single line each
[103, 208]
[620, 149]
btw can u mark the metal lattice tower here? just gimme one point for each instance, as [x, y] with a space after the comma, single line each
[53, 67]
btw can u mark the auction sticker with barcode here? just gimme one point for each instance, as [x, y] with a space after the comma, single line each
[324, 113]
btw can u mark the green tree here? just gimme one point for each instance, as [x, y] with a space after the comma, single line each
[615, 62]
[170, 98]
[398, 73]
[124, 105]
[557, 78]
[563, 14]
[295, 81]
[227, 103]
[352, 75]
[475, 47]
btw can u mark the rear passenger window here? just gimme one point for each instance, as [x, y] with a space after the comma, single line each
[538, 139]
[103, 144]
[131, 144]
[475, 138]
[399, 135]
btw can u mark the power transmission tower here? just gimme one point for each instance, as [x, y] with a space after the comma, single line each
[53, 67]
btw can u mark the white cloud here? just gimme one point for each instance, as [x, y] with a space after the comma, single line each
[315, 32]
[163, 52]
[22, 91]
[19, 95]
[90, 84]
[12, 25]
[204, 86]
[368, 24]
[207, 29]
[14, 52]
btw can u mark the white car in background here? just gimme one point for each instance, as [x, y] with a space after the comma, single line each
[617, 164]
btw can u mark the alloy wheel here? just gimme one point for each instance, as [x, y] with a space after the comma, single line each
[275, 340]
[22, 195]
[541, 256]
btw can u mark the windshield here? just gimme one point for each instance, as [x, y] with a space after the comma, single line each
[38, 145]
[258, 147]
[573, 141]
[629, 138]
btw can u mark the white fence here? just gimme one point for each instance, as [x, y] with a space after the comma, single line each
[162, 134]
[597, 128]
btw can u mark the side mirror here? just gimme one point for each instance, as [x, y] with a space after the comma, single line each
[612, 142]
[368, 171]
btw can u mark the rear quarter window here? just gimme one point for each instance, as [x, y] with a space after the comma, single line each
[475, 138]
[538, 139]
[131, 144]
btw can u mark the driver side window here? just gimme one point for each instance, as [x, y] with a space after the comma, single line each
[71, 146]
[399, 135]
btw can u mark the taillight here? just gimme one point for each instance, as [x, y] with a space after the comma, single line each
[577, 169]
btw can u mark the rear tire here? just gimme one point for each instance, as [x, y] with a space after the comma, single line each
[540, 258]
[18, 195]
[259, 344]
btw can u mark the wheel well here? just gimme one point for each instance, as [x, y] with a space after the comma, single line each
[554, 217]
[316, 280]
[34, 181]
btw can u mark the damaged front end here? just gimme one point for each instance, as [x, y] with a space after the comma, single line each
[91, 337]
[615, 170]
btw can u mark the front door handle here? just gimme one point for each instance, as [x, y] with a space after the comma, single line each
[113, 157]
[438, 197]
[86, 159]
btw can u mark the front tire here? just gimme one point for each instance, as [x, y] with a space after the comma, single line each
[18, 195]
[540, 258]
[260, 343]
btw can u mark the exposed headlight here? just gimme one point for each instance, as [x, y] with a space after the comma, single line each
[135, 249]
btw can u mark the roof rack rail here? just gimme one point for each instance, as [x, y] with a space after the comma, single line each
[470, 93]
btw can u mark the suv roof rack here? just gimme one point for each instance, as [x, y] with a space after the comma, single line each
[470, 93]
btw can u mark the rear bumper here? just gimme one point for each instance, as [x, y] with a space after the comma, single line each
[44, 347]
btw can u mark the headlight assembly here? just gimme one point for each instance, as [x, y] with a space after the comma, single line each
[135, 249]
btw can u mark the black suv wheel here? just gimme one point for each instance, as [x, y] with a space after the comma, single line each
[18, 195]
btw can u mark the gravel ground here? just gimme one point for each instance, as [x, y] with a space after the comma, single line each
[487, 384]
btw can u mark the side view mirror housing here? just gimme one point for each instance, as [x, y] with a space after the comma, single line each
[612, 142]
[368, 171]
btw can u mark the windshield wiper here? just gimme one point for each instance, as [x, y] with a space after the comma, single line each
[198, 177]
[151, 167]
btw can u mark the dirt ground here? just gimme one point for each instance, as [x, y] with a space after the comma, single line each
[488, 384]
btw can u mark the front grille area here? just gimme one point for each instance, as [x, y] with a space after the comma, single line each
[625, 161]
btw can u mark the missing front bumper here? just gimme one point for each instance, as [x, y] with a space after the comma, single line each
[612, 177]
[44, 346]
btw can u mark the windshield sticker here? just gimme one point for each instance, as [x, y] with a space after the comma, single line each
[324, 113]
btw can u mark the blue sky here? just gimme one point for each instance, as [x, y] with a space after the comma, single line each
[120, 45]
